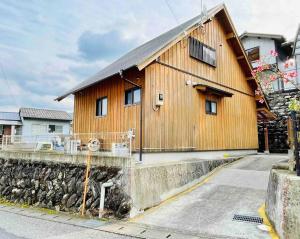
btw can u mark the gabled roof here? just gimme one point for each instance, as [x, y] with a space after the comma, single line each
[10, 116]
[143, 55]
[140, 54]
[34, 113]
[263, 35]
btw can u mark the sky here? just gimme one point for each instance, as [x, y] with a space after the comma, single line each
[47, 47]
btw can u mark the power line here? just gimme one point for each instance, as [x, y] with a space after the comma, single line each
[8, 85]
[172, 12]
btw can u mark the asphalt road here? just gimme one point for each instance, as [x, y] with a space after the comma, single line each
[34, 226]
[209, 209]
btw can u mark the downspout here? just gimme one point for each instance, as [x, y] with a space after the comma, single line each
[141, 114]
[102, 196]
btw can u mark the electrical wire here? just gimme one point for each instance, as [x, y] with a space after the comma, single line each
[172, 12]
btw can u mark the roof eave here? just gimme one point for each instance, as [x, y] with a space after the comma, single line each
[94, 83]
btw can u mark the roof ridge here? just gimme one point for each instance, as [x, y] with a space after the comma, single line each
[141, 53]
[43, 109]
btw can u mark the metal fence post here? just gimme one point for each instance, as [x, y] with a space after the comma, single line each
[296, 143]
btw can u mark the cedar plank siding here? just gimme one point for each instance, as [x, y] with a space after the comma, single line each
[119, 118]
[181, 123]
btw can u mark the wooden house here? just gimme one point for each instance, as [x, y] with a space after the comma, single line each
[192, 84]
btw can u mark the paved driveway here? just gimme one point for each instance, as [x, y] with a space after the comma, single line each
[209, 209]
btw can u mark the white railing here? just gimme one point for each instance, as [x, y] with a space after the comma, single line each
[110, 143]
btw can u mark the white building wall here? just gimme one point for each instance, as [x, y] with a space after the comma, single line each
[265, 46]
[28, 125]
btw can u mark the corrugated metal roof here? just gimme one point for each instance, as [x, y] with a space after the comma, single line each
[13, 116]
[34, 113]
[143, 52]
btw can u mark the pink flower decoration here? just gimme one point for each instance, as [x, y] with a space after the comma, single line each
[286, 65]
[292, 74]
[272, 77]
[273, 53]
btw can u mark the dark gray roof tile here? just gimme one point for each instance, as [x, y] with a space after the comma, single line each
[34, 113]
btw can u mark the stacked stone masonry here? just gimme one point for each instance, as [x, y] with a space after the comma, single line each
[278, 139]
[60, 186]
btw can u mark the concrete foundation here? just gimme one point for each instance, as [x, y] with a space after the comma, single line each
[163, 157]
[283, 203]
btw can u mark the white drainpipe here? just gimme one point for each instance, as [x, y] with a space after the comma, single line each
[102, 196]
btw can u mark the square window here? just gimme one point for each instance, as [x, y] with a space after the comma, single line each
[101, 107]
[132, 96]
[211, 107]
[55, 129]
[51, 129]
[253, 53]
[202, 52]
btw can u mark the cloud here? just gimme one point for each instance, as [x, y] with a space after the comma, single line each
[47, 47]
[109, 45]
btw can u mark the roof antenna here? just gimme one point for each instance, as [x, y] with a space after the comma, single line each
[203, 16]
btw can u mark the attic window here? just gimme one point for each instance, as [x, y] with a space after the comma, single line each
[202, 52]
[253, 54]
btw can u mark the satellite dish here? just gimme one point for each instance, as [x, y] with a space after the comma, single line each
[94, 145]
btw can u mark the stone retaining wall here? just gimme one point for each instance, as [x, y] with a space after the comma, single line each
[55, 181]
[59, 185]
[279, 102]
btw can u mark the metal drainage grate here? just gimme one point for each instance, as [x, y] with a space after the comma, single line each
[244, 218]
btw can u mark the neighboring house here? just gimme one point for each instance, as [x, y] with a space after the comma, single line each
[258, 45]
[44, 121]
[194, 85]
[10, 124]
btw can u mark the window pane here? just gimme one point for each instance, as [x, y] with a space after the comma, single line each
[137, 96]
[205, 54]
[207, 106]
[253, 53]
[128, 97]
[51, 128]
[213, 107]
[98, 107]
[58, 129]
[104, 107]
